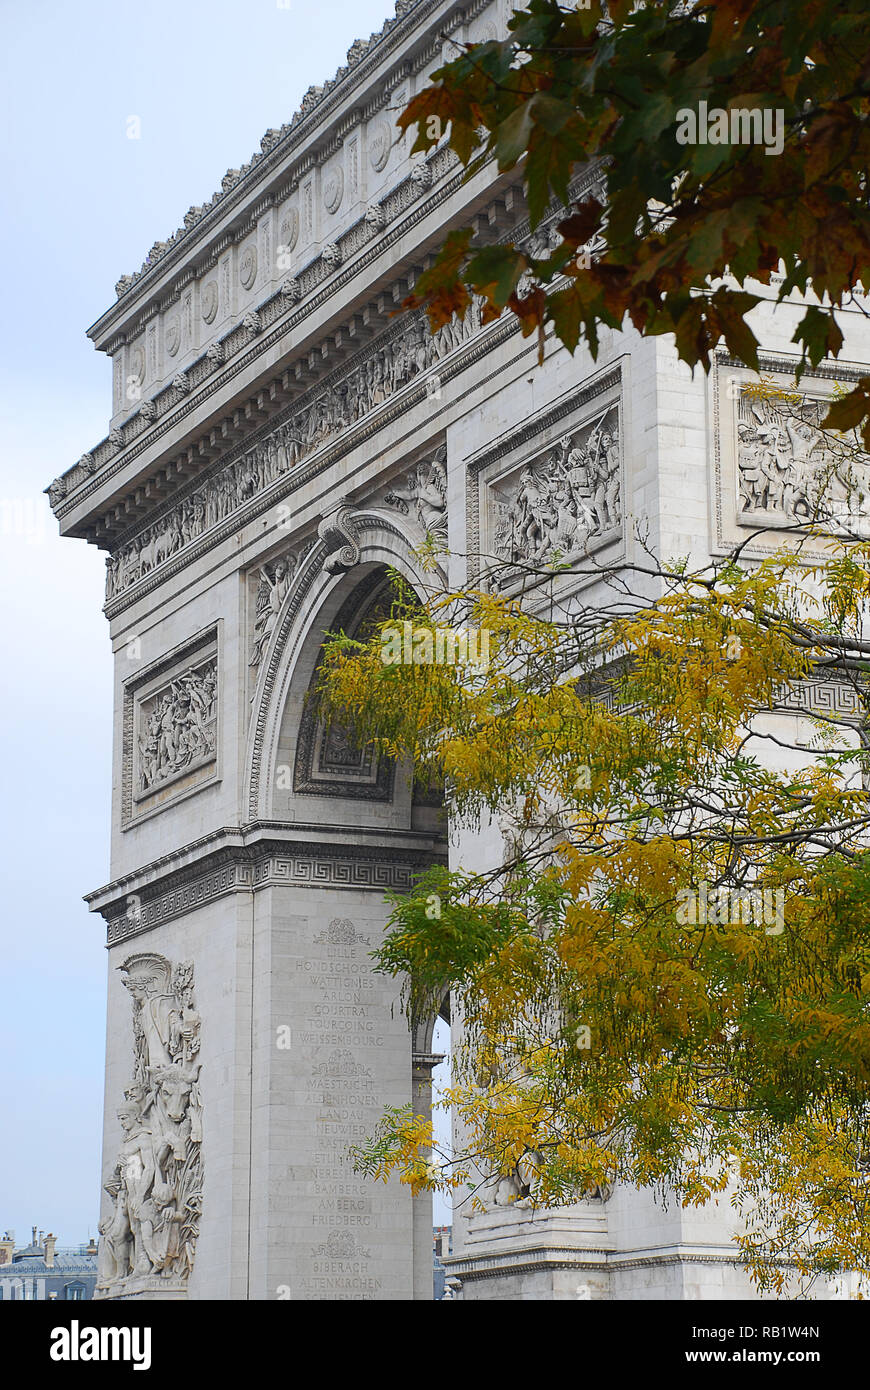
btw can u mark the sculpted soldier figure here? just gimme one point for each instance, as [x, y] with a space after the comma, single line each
[751, 485]
[125, 1245]
[166, 735]
[426, 492]
[156, 1184]
[529, 516]
[598, 477]
[270, 596]
[149, 749]
[804, 441]
[154, 1009]
[115, 1235]
[576, 464]
[295, 440]
[610, 452]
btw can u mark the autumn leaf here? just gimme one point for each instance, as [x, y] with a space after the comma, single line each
[565, 93]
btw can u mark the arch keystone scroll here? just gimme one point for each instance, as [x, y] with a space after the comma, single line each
[338, 532]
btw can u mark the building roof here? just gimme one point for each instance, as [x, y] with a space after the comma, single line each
[63, 1264]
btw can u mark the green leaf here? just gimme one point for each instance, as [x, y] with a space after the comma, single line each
[512, 136]
[820, 333]
[495, 271]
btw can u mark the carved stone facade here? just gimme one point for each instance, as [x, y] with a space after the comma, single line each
[383, 371]
[272, 590]
[793, 471]
[177, 727]
[422, 493]
[566, 500]
[281, 438]
[537, 506]
[171, 726]
[148, 1239]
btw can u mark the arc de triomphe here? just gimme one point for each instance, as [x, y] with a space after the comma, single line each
[279, 438]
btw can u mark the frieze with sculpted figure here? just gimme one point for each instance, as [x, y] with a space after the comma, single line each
[322, 415]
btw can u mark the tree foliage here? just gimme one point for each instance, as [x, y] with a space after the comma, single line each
[666, 979]
[683, 233]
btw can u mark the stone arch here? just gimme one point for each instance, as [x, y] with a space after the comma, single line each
[314, 599]
[327, 762]
[424, 1032]
[347, 563]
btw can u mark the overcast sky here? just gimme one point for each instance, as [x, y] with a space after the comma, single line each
[83, 205]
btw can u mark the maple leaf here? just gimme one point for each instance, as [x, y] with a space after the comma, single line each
[566, 91]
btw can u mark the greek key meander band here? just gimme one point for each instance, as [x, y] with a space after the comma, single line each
[140, 913]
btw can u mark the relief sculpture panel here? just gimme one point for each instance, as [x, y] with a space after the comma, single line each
[566, 500]
[789, 467]
[776, 467]
[177, 727]
[170, 743]
[148, 1240]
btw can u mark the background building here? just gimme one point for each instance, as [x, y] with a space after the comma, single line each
[442, 1243]
[41, 1271]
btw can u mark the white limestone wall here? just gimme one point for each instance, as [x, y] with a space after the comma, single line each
[330, 1050]
[302, 1045]
[139, 641]
[218, 940]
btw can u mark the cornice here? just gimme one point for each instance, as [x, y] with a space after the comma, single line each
[261, 855]
[273, 325]
[544, 1256]
[525, 1260]
[257, 335]
[392, 410]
